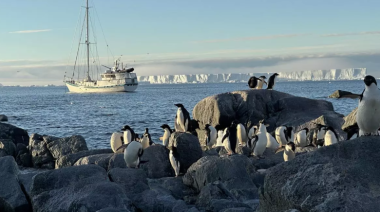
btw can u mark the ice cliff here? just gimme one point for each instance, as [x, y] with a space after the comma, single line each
[312, 75]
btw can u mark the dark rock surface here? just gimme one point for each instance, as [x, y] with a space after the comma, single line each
[188, 148]
[17, 135]
[174, 185]
[8, 146]
[25, 178]
[71, 159]
[10, 190]
[158, 163]
[343, 94]
[64, 146]
[158, 201]
[350, 120]
[101, 160]
[117, 161]
[77, 188]
[270, 159]
[3, 117]
[134, 181]
[41, 155]
[340, 177]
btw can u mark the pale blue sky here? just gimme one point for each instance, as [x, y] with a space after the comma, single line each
[176, 31]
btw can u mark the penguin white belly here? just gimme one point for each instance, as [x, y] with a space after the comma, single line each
[280, 136]
[213, 135]
[330, 138]
[260, 84]
[301, 140]
[261, 144]
[180, 121]
[175, 164]
[145, 142]
[368, 116]
[271, 142]
[321, 134]
[241, 135]
[165, 138]
[289, 155]
[227, 145]
[251, 132]
[219, 138]
[131, 154]
[116, 141]
[127, 137]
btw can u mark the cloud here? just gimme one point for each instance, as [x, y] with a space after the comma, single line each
[267, 37]
[351, 33]
[31, 31]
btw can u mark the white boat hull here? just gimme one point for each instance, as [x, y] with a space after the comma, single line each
[100, 89]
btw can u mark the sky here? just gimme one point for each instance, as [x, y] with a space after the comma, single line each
[39, 38]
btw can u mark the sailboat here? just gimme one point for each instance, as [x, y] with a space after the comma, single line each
[114, 79]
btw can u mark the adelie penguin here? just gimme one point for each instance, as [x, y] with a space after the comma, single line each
[167, 133]
[182, 119]
[260, 82]
[368, 113]
[272, 81]
[174, 160]
[289, 151]
[116, 140]
[132, 153]
[241, 134]
[261, 143]
[252, 82]
[301, 138]
[330, 137]
[230, 139]
[128, 135]
[146, 140]
[211, 135]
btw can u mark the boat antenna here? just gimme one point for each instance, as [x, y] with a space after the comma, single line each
[87, 43]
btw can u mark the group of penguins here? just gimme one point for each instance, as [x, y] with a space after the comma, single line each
[255, 137]
[258, 83]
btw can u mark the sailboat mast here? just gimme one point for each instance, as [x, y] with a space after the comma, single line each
[87, 43]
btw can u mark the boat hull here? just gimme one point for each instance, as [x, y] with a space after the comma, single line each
[101, 89]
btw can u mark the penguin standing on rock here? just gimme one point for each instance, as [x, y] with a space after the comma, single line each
[146, 140]
[272, 81]
[352, 133]
[252, 82]
[167, 133]
[241, 134]
[262, 140]
[219, 139]
[260, 82]
[182, 119]
[174, 160]
[129, 135]
[116, 140]
[330, 137]
[229, 139]
[368, 114]
[280, 135]
[132, 153]
[289, 151]
[289, 134]
[301, 138]
[210, 136]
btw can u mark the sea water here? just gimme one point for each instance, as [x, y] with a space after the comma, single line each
[54, 111]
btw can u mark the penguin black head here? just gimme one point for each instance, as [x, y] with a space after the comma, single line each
[263, 77]
[292, 145]
[126, 127]
[306, 129]
[275, 74]
[368, 80]
[179, 105]
[235, 122]
[146, 131]
[165, 126]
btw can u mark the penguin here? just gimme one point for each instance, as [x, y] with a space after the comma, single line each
[352, 133]
[289, 151]
[116, 141]
[252, 132]
[137, 137]
[251, 144]
[210, 136]
[132, 153]
[368, 113]
[182, 118]
[129, 135]
[229, 139]
[301, 138]
[146, 140]
[221, 134]
[167, 134]
[260, 82]
[262, 140]
[321, 131]
[280, 135]
[271, 142]
[289, 134]
[271, 81]
[241, 134]
[174, 160]
[252, 82]
[330, 137]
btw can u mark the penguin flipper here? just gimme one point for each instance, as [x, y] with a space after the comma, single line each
[124, 146]
[361, 96]
[254, 142]
[280, 149]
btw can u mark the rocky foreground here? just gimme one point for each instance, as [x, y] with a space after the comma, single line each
[46, 173]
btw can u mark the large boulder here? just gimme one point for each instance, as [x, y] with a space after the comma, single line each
[174, 185]
[157, 163]
[71, 159]
[159, 201]
[64, 146]
[275, 107]
[25, 178]
[3, 117]
[235, 174]
[101, 160]
[188, 148]
[8, 146]
[17, 135]
[10, 190]
[77, 188]
[343, 94]
[23, 156]
[340, 177]
[350, 120]
[41, 155]
[117, 161]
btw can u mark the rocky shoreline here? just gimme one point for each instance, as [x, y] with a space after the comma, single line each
[46, 173]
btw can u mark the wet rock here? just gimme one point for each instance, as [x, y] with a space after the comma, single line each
[234, 173]
[8, 146]
[117, 161]
[188, 148]
[158, 163]
[101, 160]
[17, 135]
[350, 120]
[10, 190]
[343, 94]
[174, 185]
[68, 145]
[78, 187]
[3, 117]
[71, 159]
[41, 155]
[340, 177]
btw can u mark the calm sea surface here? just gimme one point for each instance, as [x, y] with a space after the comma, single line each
[53, 111]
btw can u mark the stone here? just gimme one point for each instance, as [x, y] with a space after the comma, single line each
[8, 146]
[10, 190]
[237, 210]
[157, 163]
[242, 150]
[69, 145]
[188, 148]
[234, 173]
[174, 185]
[3, 153]
[101, 160]
[219, 205]
[350, 120]
[17, 135]
[270, 159]
[25, 178]
[3, 117]
[41, 156]
[156, 201]
[117, 161]
[71, 159]
[343, 94]
[113, 210]
[339, 177]
[5, 206]
[77, 188]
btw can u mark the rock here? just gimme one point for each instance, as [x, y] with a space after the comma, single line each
[3, 153]
[350, 120]
[188, 148]
[158, 163]
[275, 107]
[5, 206]
[3, 117]
[25, 178]
[101, 160]
[343, 94]
[68, 145]
[243, 150]
[71, 159]
[25, 160]
[234, 173]
[8, 146]
[224, 204]
[112, 210]
[174, 185]
[41, 155]
[340, 177]
[270, 159]
[156, 201]
[77, 188]
[117, 161]
[237, 210]
[17, 135]
[10, 190]
[292, 210]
